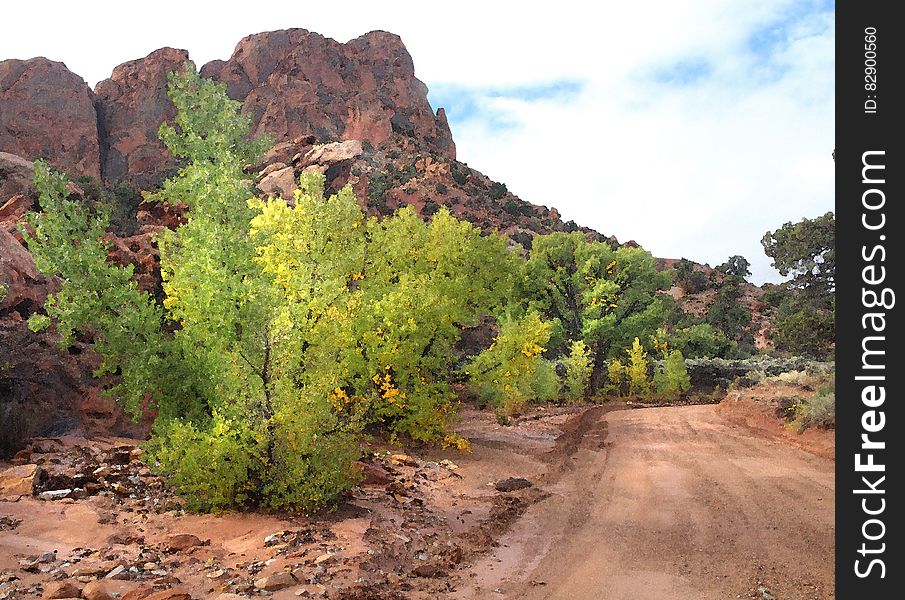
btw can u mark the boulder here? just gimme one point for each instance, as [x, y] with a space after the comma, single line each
[328, 154]
[16, 174]
[48, 111]
[22, 286]
[281, 182]
[61, 589]
[275, 582]
[19, 481]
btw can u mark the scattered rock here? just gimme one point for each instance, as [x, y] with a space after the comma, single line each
[374, 474]
[403, 459]
[277, 581]
[182, 541]
[54, 494]
[118, 572]
[512, 484]
[19, 481]
[61, 589]
[765, 593]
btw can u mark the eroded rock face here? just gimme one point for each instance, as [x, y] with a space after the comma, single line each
[295, 83]
[16, 174]
[131, 105]
[47, 111]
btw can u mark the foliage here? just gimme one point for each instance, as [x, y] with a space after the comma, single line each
[578, 369]
[502, 375]
[690, 279]
[459, 174]
[806, 251]
[671, 377]
[615, 377]
[636, 369]
[592, 293]
[730, 316]
[737, 266]
[700, 340]
[66, 239]
[545, 384]
[441, 188]
[497, 190]
[819, 410]
[800, 328]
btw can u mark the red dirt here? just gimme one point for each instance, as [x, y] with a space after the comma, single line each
[656, 503]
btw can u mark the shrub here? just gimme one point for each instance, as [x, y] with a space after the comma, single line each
[459, 175]
[497, 190]
[700, 341]
[503, 374]
[671, 378]
[801, 328]
[578, 369]
[817, 411]
[545, 384]
[636, 370]
[615, 378]
[441, 188]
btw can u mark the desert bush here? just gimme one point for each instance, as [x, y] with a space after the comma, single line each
[671, 378]
[578, 368]
[545, 384]
[441, 188]
[615, 383]
[817, 411]
[700, 341]
[637, 370]
[497, 190]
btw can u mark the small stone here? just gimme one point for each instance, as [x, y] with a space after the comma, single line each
[54, 494]
[273, 539]
[277, 581]
[182, 541]
[403, 459]
[118, 572]
[61, 589]
[512, 484]
[323, 558]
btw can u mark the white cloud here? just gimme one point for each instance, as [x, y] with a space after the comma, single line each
[698, 170]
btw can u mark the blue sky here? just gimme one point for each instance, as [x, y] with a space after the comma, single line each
[691, 128]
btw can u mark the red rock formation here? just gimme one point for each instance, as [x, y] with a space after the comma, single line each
[131, 105]
[47, 111]
[296, 83]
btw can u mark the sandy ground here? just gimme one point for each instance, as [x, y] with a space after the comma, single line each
[649, 504]
[678, 504]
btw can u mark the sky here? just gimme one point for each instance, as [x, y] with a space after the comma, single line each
[690, 127]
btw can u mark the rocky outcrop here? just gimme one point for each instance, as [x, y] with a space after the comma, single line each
[16, 174]
[131, 105]
[295, 83]
[47, 111]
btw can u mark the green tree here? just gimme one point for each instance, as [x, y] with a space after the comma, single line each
[502, 375]
[595, 294]
[102, 300]
[636, 370]
[578, 367]
[671, 377]
[806, 252]
[737, 266]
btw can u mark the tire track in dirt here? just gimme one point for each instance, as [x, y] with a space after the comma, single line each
[677, 504]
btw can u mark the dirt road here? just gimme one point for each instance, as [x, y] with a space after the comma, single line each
[670, 503]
